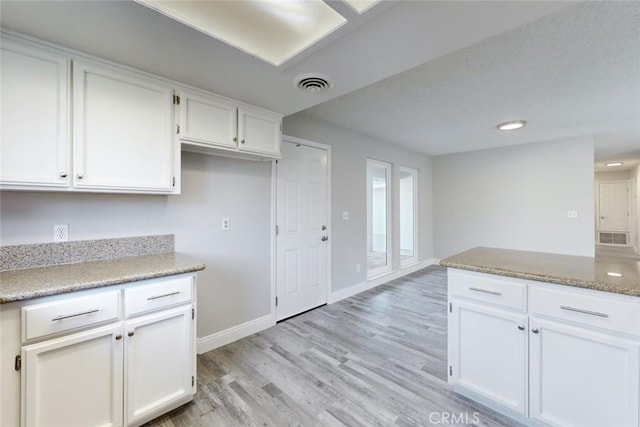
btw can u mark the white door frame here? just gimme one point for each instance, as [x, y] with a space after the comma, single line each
[631, 220]
[274, 185]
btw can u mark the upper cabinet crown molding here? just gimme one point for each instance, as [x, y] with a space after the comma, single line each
[74, 122]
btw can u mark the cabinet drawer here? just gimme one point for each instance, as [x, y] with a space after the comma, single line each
[64, 315]
[165, 293]
[487, 288]
[592, 310]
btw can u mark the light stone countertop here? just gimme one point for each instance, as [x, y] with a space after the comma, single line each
[578, 271]
[17, 285]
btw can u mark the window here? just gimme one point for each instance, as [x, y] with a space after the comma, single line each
[378, 217]
[408, 195]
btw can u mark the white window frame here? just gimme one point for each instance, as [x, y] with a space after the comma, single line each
[389, 212]
[416, 242]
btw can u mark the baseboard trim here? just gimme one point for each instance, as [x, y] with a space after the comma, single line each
[234, 333]
[370, 284]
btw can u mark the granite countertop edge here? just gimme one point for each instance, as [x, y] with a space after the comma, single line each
[567, 281]
[37, 287]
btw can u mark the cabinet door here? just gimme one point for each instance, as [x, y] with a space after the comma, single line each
[158, 363]
[74, 380]
[208, 120]
[259, 132]
[488, 353]
[582, 378]
[123, 128]
[35, 145]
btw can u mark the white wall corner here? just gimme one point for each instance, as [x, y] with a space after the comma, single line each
[234, 333]
[370, 284]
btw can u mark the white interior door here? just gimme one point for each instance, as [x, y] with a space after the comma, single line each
[613, 205]
[302, 240]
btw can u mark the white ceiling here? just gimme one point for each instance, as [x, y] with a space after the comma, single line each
[434, 76]
[573, 73]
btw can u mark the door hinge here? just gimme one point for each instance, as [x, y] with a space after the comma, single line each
[193, 381]
[177, 128]
[176, 99]
[193, 313]
[276, 301]
[450, 371]
[173, 182]
[277, 230]
[17, 364]
[450, 307]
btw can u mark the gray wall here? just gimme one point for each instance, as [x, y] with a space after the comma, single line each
[516, 198]
[235, 287]
[350, 151]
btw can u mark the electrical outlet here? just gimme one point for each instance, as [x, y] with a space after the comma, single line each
[572, 214]
[225, 224]
[61, 233]
[345, 216]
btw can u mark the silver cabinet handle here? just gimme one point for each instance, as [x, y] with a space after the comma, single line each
[485, 291]
[242, 142]
[324, 238]
[63, 174]
[535, 330]
[235, 139]
[68, 316]
[131, 333]
[163, 295]
[79, 176]
[118, 337]
[579, 310]
[521, 327]
[324, 227]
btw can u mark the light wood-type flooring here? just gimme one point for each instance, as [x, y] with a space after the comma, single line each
[375, 359]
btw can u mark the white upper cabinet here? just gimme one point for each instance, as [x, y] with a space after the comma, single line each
[207, 120]
[259, 132]
[35, 145]
[122, 130]
[216, 125]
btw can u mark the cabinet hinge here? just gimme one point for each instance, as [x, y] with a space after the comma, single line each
[193, 381]
[193, 313]
[17, 364]
[276, 301]
[277, 230]
[450, 307]
[176, 99]
[173, 182]
[177, 128]
[450, 370]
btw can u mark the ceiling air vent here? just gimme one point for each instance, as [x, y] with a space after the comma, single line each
[313, 83]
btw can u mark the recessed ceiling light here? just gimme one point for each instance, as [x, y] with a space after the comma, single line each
[361, 6]
[272, 30]
[614, 274]
[512, 125]
[611, 164]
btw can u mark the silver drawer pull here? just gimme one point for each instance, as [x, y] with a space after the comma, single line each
[164, 295]
[485, 291]
[68, 316]
[579, 310]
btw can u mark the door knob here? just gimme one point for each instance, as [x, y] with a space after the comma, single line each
[324, 227]
[324, 238]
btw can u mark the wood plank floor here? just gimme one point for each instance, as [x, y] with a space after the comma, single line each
[375, 359]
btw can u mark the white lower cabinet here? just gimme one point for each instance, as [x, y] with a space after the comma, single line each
[74, 381]
[499, 375]
[582, 378]
[561, 356]
[115, 357]
[158, 363]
